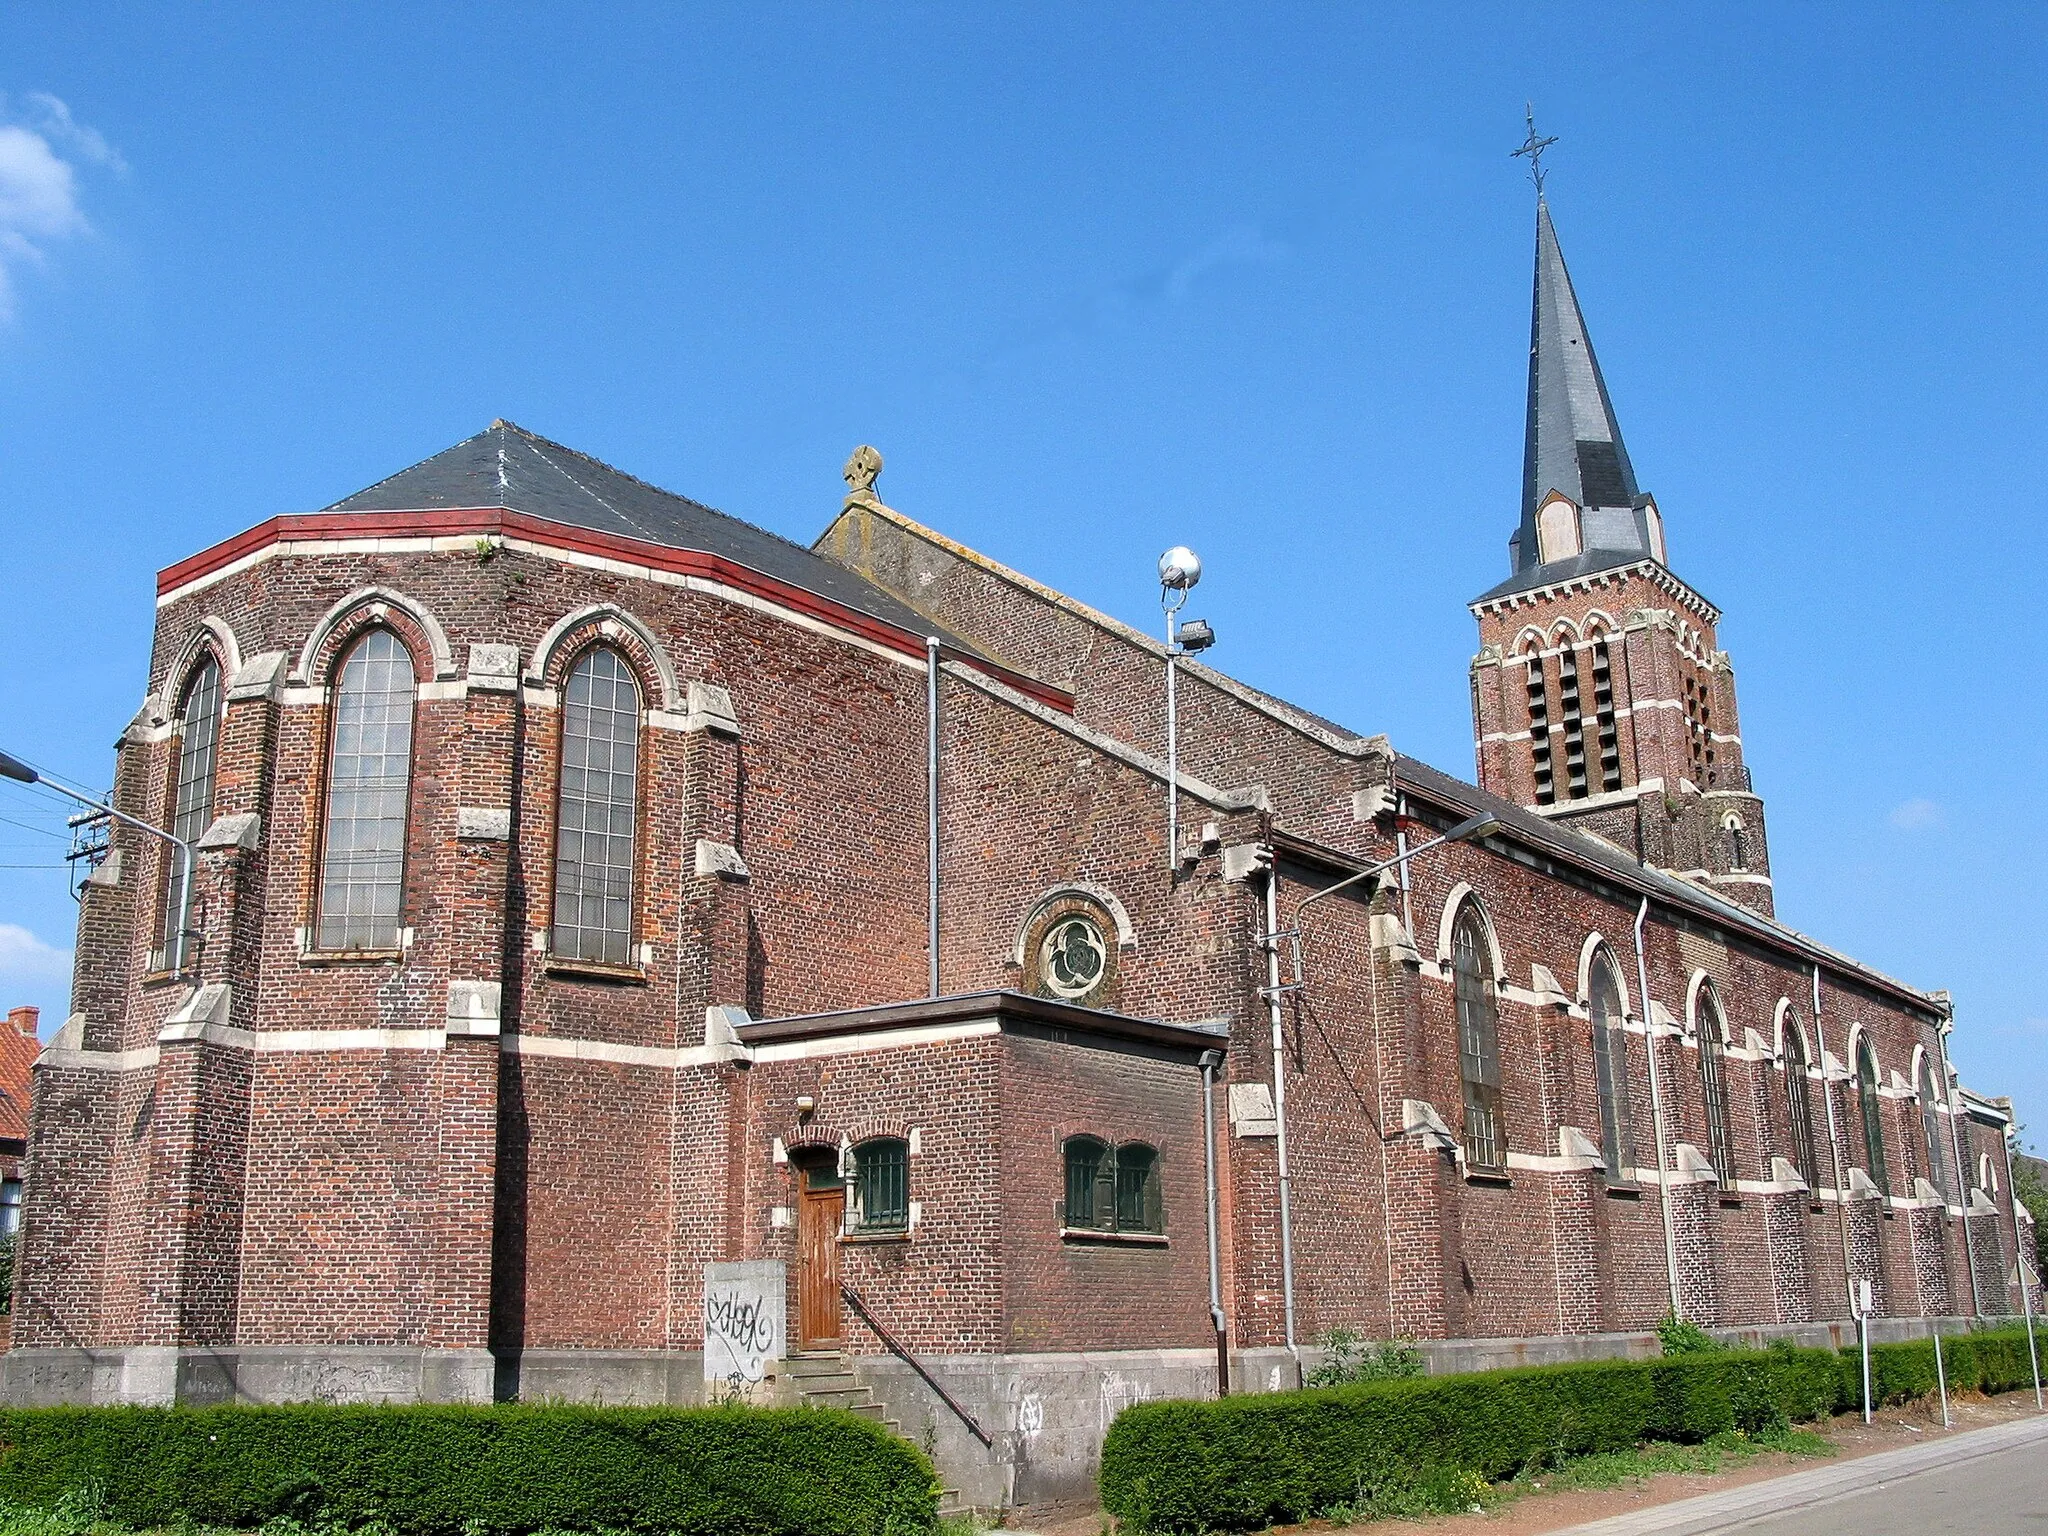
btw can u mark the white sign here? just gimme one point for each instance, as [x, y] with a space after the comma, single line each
[745, 1329]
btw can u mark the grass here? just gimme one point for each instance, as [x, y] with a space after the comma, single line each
[1450, 1491]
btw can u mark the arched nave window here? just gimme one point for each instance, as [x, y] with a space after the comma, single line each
[191, 804]
[1713, 1038]
[1610, 1065]
[1478, 1040]
[597, 810]
[369, 782]
[1873, 1115]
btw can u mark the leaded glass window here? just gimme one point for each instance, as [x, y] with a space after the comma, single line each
[1930, 1125]
[1075, 956]
[369, 780]
[881, 1183]
[1799, 1102]
[1873, 1114]
[191, 804]
[599, 805]
[1713, 1037]
[1478, 1042]
[1610, 1067]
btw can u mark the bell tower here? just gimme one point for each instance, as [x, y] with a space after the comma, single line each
[1600, 696]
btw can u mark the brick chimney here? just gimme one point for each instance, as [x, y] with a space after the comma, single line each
[24, 1020]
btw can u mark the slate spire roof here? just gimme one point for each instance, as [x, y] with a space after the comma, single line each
[507, 466]
[1574, 443]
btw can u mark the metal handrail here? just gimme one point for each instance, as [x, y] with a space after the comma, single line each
[853, 1299]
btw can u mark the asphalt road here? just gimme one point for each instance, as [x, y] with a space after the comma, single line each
[2005, 1491]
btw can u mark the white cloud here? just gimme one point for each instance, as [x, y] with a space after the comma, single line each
[1918, 815]
[60, 127]
[40, 152]
[26, 960]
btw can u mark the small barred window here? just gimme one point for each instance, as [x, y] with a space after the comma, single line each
[881, 1185]
[1112, 1189]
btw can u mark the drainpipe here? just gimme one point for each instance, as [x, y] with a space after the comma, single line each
[1657, 1112]
[1210, 1061]
[1827, 1097]
[931, 791]
[1280, 1115]
[1955, 1141]
[2019, 1259]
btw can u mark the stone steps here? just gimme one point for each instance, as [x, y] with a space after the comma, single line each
[827, 1381]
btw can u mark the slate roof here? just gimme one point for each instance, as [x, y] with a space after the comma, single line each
[1672, 890]
[1573, 442]
[507, 466]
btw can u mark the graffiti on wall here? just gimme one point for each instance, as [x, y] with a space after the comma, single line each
[745, 1317]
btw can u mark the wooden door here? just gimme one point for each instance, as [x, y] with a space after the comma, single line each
[820, 1211]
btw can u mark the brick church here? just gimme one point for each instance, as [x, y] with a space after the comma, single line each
[592, 890]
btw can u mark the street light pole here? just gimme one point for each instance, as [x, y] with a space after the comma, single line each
[1179, 569]
[14, 768]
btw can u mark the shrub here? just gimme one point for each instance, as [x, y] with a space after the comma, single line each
[462, 1471]
[1679, 1337]
[1246, 1462]
[1350, 1357]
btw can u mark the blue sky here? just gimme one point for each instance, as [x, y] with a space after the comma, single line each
[1097, 280]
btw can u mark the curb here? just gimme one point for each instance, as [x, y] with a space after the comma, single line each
[1802, 1490]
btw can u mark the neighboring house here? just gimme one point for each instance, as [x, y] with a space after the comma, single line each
[18, 1050]
[584, 898]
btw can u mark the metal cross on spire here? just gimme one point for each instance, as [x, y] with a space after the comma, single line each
[1533, 147]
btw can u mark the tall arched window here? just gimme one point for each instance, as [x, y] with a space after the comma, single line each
[1478, 1041]
[1713, 1036]
[1931, 1128]
[1872, 1113]
[1610, 1065]
[599, 805]
[191, 804]
[369, 781]
[1799, 1101]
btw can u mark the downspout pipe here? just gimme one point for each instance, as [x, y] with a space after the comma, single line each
[1827, 1097]
[1210, 1061]
[931, 793]
[1280, 1116]
[1657, 1112]
[1955, 1142]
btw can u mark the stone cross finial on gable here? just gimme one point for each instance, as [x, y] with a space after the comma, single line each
[861, 470]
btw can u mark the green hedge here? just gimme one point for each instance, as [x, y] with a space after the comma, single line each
[438, 1471]
[1248, 1462]
[1982, 1362]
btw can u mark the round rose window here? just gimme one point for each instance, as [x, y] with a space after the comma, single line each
[1073, 957]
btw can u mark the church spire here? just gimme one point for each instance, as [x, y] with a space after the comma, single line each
[1574, 447]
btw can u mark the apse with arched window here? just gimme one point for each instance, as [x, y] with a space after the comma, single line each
[1799, 1101]
[1931, 1127]
[1610, 1066]
[597, 810]
[1713, 1052]
[191, 805]
[1868, 1104]
[369, 782]
[1478, 1040]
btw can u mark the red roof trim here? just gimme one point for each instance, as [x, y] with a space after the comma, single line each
[661, 557]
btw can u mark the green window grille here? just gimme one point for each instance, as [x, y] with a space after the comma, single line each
[1714, 1087]
[1088, 1162]
[1137, 1190]
[1799, 1102]
[882, 1184]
